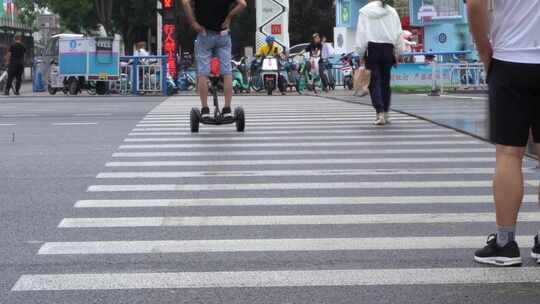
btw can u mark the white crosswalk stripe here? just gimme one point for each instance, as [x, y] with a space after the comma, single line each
[292, 201]
[250, 245]
[343, 151]
[269, 138]
[310, 144]
[417, 218]
[283, 173]
[286, 187]
[299, 162]
[265, 279]
[290, 186]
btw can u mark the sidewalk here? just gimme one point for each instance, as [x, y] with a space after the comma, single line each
[465, 113]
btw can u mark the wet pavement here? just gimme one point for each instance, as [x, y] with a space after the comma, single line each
[465, 113]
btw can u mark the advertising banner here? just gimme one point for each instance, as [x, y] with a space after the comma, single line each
[416, 77]
[272, 19]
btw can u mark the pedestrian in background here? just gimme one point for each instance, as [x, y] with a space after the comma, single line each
[15, 59]
[327, 49]
[378, 41]
[140, 51]
[510, 51]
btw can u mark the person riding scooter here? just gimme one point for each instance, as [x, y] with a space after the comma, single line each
[272, 49]
[315, 51]
[212, 20]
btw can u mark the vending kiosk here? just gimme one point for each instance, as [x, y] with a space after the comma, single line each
[438, 25]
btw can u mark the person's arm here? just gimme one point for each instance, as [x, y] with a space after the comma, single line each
[361, 36]
[477, 11]
[7, 58]
[238, 8]
[259, 52]
[191, 17]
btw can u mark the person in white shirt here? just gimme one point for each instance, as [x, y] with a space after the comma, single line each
[140, 49]
[510, 51]
[327, 50]
[378, 40]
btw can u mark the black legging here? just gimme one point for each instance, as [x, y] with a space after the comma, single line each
[380, 59]
[14, 72]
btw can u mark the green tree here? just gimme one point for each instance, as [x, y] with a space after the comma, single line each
[133, 18]
[78, 16]
[29, 9]
[311, 16]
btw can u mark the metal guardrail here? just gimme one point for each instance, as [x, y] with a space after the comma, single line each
[458, 76]
[14, 23]
[147, 75]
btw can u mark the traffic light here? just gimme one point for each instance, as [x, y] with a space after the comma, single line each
[168, 11]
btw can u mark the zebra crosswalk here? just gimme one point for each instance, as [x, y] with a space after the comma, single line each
[312, 195]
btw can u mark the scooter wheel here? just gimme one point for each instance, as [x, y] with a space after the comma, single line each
[194, 120]
[240, 119]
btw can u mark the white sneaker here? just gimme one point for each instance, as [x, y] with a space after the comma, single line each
[387, 117]
[380, 120]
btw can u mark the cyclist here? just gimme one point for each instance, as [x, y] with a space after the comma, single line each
[315, 47]
[315, 51]
[272, 49]
[212, 20]
[326, 52]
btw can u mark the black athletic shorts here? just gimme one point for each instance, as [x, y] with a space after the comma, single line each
[514, 99]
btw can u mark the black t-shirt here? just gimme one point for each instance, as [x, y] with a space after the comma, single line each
[17, 51]
[212, 13]
[312, 48]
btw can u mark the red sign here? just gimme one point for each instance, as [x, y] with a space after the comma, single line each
[169, 46]
[276, 29]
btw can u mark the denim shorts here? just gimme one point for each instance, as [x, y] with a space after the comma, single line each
[213, 44]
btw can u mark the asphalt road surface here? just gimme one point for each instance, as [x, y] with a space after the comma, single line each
[112, 200]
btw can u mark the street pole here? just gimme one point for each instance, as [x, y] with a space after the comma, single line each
[159, 29]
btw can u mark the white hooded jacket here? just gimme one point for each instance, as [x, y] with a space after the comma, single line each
[378, 23]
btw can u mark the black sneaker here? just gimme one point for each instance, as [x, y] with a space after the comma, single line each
[535, 254]
[205, 113]
[227, 113]
[499, 256]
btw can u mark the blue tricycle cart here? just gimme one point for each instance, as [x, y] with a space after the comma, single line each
[88, 62]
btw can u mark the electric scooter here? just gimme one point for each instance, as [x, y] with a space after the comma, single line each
[347, 71]
[299, 75]
[314, 74]
[270, 73]
[328, 81]
[218, 119]
[238, 72]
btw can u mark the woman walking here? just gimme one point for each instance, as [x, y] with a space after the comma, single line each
[378, 40]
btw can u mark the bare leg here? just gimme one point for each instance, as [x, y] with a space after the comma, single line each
[227, 87]
[508, 184]
[203, 90]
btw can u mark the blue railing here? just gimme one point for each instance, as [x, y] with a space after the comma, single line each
[148, 74]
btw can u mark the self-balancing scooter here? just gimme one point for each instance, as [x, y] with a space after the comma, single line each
[196, 118]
